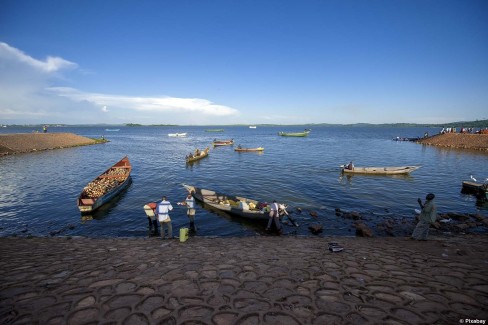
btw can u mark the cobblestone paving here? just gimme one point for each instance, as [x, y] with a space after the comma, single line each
[253, 280]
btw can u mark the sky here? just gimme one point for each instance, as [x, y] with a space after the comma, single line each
[221, 62]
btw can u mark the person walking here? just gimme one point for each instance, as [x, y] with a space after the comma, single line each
[163, 209]
[190, 210]
[428, 216]
[274, 215]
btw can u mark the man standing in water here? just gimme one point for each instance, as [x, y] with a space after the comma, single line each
[428, 215]
[190, 210]
[163, 209]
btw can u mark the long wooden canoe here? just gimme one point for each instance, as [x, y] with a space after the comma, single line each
[294, 134]
[234, 205]
[214, 130]
[105, 187]
[259, 149]
[380, 170]
[192, 158]
[217, 143]
[177, 134]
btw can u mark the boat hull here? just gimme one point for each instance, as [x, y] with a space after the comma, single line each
[294, 134]
[217, 201]
[176, 134]
[260, 149]
[400, 170]
[202, 155]
[120, 171]
[478, 189]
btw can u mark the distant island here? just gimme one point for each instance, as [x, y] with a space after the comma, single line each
[459, 124]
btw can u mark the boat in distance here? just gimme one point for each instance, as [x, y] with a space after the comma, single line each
[197, 155]
[480, 190]
[294, 134]
[218, 143]
[177, 134]
[214, 130]
[105, 186]
[400, 170]
[234, 205]
[239, 149]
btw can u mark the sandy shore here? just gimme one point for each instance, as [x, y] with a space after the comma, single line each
[29, 142]
[252, 280]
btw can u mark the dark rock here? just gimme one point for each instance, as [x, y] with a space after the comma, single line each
[313, 214]
[316, 228]
[458, 216]
[363, 231]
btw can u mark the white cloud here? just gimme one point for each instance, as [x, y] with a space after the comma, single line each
[51, 64]
[147, 104]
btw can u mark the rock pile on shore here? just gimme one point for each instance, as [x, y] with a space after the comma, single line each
[458, 140]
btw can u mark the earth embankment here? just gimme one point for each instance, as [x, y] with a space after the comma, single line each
[30, 142]
[458, 140]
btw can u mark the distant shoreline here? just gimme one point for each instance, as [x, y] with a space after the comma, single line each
[32, 142]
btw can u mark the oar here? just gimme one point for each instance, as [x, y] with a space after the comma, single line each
[290, 218]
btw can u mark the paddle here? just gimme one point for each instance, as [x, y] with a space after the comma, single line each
[290, 218]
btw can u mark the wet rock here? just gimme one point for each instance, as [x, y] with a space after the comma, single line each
[462, 226]
[362, 230]
[313, 214]
[458, 216]
[315, 228]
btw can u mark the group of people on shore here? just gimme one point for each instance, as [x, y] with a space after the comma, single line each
[159, 213]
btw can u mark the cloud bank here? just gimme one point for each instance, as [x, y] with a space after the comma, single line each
[32, 91]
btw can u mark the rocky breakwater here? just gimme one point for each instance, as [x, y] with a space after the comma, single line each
[458, 140]
[30, 142]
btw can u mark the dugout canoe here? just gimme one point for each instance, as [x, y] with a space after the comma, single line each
[400, 170]
[192, 158]
[259, 149]
[294, 134]
[219, 143]
[177, 134]
[105, 187]
[235, 205]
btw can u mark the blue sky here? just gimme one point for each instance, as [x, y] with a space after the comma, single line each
[196, 62]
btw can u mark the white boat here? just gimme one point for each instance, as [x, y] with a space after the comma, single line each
[177, 134]
[252, 126]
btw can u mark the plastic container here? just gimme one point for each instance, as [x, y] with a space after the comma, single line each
[183, 234]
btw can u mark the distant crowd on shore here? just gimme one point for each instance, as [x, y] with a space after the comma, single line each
[464, 130]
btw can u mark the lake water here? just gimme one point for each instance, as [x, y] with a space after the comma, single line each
[38, 191]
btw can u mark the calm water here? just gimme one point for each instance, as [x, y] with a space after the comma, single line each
[38, 191]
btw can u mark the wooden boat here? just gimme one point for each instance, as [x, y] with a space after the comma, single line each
[259, 149]
[380, 170]
[217, 143]
[105, 187]
[177, 134]
[294, 134]
[214, 130]
[235, 205]
[478, 189]
[406, 139]
[201, 154]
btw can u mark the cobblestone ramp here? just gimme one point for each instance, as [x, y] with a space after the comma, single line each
[260, 280]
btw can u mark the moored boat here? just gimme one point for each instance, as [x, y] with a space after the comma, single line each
[217, 143]
[252, 126]
[214, 130]
[105, 187]
[259, 149]
[380, 170]
[177, 134]
[295, 134]
[197, 155]
[235, 205]
[478, 189]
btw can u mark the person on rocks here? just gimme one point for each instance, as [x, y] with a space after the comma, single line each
[150, 210]
[190, 210]
[428, 216]
[274, 215]
[163, 208]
